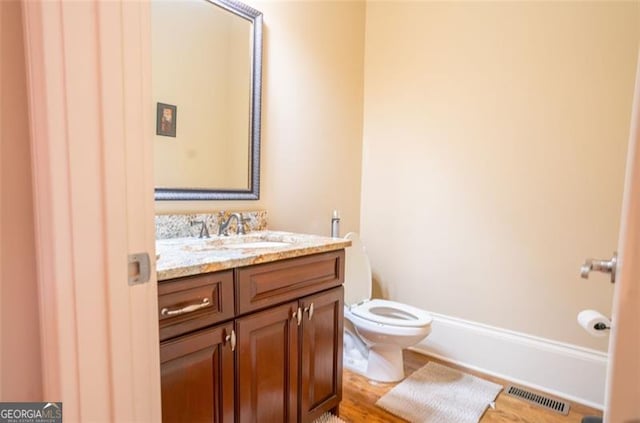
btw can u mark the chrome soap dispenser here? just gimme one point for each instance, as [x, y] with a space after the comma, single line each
[335, 225]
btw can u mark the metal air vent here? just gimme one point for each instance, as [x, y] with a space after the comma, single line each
[539, 400]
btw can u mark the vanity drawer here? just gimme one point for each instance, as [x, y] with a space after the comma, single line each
[194, 302]
[267, 284]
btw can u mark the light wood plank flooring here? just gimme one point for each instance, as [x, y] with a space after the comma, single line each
[359, 397]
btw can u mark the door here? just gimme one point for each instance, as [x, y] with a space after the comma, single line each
[91, 142]
[197, 376]
[623, 372]
[321, 358]
[268, 366]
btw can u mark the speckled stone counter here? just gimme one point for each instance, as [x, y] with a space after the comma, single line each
[191, 256]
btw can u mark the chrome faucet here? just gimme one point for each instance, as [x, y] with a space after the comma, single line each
[224, 226]
[204, 231]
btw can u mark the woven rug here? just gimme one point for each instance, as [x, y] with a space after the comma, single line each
[328, 418]
[439, 394]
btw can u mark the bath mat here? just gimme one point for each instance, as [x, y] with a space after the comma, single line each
[328, 418]
[439, 394]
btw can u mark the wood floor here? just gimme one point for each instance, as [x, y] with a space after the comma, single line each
[359, 397]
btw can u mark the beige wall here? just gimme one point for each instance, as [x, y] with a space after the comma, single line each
[20, 370]
[494, 149]
[311, 119]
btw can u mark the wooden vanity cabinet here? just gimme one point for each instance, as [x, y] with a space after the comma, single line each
[287, 363]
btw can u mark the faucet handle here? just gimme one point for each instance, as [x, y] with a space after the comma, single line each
[244, 221]
[204, 231]
[241, 221]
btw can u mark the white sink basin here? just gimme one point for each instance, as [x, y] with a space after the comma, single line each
[257, 244]
[238, 243]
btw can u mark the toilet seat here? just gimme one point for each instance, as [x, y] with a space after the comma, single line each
[392, 313]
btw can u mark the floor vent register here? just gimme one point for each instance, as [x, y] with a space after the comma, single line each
[539, 400]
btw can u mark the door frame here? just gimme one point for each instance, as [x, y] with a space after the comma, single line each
[90, 130]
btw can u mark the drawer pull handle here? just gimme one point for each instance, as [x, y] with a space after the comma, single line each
[231, 339]
[297, 316]
[187, 309]
[309, 310]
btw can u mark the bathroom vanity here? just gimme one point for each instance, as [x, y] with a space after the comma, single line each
[251, 327]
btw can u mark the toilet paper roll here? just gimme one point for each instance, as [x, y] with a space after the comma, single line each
[590, 320]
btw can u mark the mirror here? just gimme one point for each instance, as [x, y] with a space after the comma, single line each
[206, 84]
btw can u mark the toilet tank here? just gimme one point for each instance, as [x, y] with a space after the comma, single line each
[357, 272]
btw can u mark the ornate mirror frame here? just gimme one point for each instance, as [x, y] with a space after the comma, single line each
[253, 191]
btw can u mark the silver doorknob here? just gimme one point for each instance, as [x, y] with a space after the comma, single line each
[597, 265]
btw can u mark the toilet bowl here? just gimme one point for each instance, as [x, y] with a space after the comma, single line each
[376, 330]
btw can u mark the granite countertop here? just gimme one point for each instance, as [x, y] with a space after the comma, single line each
[191, 256]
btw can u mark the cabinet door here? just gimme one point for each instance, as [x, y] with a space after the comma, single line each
[268, 365]
[321, 358]
[197, 377]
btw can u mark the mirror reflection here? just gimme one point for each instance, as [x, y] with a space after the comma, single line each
[202, 69]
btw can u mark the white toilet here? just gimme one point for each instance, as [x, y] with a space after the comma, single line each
[376, 331]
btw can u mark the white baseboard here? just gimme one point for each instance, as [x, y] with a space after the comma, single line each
[564, 370]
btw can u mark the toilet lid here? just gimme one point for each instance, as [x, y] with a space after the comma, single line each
[357, 272]
[392, 313]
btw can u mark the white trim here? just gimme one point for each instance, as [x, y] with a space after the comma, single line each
[568, 371]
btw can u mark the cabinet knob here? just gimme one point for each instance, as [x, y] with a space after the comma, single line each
[309, 310]
[231, 339]
[297, 316]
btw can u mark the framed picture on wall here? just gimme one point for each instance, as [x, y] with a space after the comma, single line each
[166, 120]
